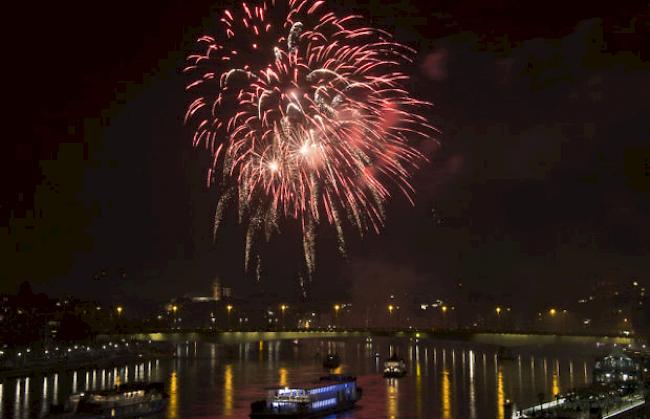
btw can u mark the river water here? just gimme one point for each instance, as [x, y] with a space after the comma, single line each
[446, 379]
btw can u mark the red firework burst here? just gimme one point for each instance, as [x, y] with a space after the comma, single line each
[306, 117]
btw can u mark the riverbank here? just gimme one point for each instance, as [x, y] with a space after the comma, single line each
[490, 338]
[22, 361]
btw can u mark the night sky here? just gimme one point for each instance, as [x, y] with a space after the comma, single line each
[541, 182]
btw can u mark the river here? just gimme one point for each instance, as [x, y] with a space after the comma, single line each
[211, 378]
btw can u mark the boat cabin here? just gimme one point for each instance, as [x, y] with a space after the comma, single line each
[330, 393]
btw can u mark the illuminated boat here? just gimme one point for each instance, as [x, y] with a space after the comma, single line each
[331, 394]
[133, 400]
[332, 361]
[394, 367]
[616, 368]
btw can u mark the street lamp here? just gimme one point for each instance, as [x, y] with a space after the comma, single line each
[119, 310]
[552, 312]
[498, 310]
[336, 314]
[229, 309]
[174, 310]
[283, 308]
[444, 316]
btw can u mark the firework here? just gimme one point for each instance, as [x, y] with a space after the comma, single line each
[306, 117]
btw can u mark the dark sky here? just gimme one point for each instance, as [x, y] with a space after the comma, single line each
[542, 181]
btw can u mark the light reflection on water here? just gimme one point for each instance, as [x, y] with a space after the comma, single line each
[283, 377]
[472, 387]
[392, 393]
[172, 406]
[501, 398]
[418, 382]
[228, 395]
[555, 390]
[25, 407]
[445, 395]
[213, 379]
[44, 397]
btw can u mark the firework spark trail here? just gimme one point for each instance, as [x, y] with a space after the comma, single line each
[305, 116]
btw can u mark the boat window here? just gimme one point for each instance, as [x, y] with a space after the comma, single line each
[323, 403]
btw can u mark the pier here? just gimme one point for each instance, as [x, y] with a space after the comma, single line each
[590, 404]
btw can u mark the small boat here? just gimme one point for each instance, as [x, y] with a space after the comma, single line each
[132, 400]
[505, 354]
[331, 394]
[332, 361]
[394, 367]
